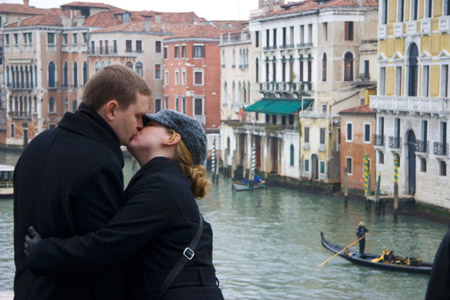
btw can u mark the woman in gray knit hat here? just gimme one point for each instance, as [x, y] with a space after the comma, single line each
[159, 235]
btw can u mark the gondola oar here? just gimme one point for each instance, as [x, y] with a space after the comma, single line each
[337, 253]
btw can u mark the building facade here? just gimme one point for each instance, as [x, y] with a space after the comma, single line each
[412, 100]
[356, 145]
[311, 60]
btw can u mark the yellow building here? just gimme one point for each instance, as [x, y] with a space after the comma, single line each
[412, 100]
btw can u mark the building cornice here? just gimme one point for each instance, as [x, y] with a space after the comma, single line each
[192, 39]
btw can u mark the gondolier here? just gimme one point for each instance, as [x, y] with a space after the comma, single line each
[361, 235]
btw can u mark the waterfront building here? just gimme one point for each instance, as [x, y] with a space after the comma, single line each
[311, 59]
[412, 99]
[191, 79]
[356, 142]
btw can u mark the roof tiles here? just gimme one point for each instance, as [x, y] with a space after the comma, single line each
[362, 109]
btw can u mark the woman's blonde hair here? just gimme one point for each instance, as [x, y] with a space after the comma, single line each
[196, 173]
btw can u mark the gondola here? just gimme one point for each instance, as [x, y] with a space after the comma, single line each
[247, 186]
[411, 265]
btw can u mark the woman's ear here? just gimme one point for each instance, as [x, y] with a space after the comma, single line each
[172, 140]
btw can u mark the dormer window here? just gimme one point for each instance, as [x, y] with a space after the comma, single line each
[126, 17]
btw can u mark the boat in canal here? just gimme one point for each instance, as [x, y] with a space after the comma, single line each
[248, 185]
[408, 264]
[245, 185]
[6, 181]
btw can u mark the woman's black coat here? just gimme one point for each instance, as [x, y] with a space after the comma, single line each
[159, 220]
[67, 182]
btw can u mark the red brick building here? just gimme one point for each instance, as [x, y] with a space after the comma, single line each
[357, 139]
[191, 79]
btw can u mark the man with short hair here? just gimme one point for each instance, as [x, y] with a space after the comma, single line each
[69, 181]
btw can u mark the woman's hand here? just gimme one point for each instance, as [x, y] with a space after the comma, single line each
[31, 239]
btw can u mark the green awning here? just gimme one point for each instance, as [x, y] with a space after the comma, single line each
[278, 106]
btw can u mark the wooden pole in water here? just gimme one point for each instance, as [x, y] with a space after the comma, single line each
[395, 189]
[345, 187]
[213, 160]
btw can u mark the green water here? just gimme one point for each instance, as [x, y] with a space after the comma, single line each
[267, 245]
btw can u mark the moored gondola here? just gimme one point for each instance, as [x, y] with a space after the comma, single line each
[370, 260]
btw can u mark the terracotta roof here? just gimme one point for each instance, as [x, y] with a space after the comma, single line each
[230, 25]
[313, 4]
[139, 26]
[362, 109]
[102, 19]
[198, 31]
[21, 9]
[43, 20]
[173, 17]
[88, 4]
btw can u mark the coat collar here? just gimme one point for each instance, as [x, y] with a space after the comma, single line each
[155, 165]
[85, 121]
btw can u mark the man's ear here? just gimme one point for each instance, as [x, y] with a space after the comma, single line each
[109, 109]
[174, 139]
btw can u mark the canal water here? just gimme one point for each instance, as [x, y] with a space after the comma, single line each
[267, 245]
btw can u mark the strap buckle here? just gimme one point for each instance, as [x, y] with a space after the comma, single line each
[188, 253]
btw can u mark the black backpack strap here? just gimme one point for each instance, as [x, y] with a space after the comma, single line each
[187, 256]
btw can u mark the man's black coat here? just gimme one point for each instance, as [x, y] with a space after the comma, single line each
[68, 181]
[159, 219]
[439, 284]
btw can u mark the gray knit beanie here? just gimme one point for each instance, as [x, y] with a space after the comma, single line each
[191, 131]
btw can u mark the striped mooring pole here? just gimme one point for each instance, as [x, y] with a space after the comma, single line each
[253, 163]
[395, 188]
[213, 159]
[366, 176]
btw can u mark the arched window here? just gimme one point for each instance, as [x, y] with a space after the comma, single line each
[225, 94]
[292, 155]
[51, 105]
[257, 70]
[13, 77]
[8, 80]
[348, 66]
[66, 104]
[324, 67]
[223, 58]
[85, 73]
[66, 75]
[291, 69]
[233, 95]
[283, 69]
[22, 78]
[140, 69]
[75, 74]
[233, 59]
[104, 64]
[30, 106]
[51, 74]
[35, 104]
[413, 70]
[27, 78]
[309, 68]
[267, 69]
[274, 69]
[301, 68]
[129, 65]
[239, 93]
[97, 66]
[35, 75]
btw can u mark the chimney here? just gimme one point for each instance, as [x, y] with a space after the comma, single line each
[26, 3]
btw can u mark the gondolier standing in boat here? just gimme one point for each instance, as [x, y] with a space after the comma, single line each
[361, 235]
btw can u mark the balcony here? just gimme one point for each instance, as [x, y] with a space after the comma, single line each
[285, 87]
[440, 148]
[201, 119]
[104, 51]
[235, 38]
[289, 46]
[411, 28]
[398, 30]
[420, 105]
[382, 32]
[444, 24]
[422, 146]
[426, 26]
[268, 48]
[394, 142]
[20, 115]
[304, 45]
[379, 140]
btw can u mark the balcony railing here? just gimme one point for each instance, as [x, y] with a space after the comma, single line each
[440, 148]
[20, 115]
[409, 104]
[304, 45]
[426, 26]
[411, 28]
[287, 46]
[398, 29]
[444, 24]
[394, 142]
[289, 87]
[422, 146]
[104, 51]
[382, 32]
[379, 140]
